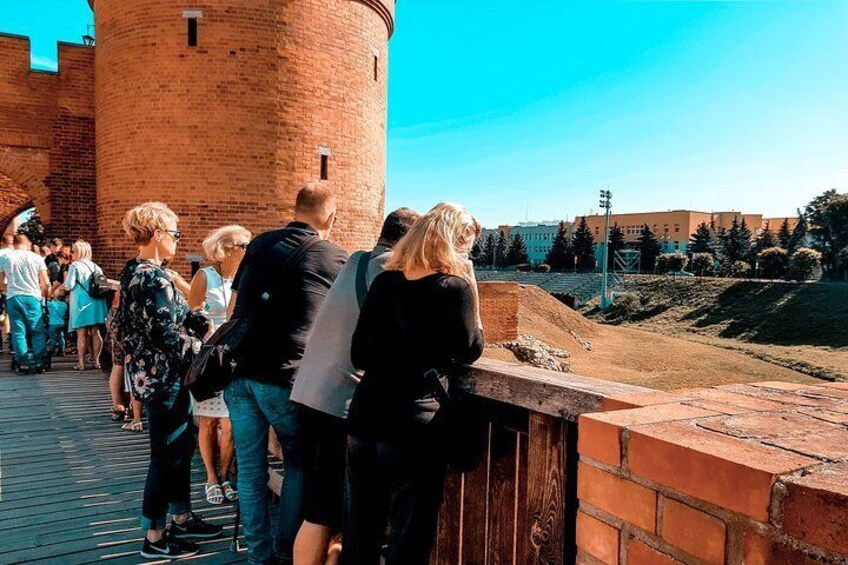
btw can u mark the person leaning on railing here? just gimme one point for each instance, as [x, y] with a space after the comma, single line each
[420, 318]
[159, 348]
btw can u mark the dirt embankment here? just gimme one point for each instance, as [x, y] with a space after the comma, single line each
[634, 355]
[799, 326]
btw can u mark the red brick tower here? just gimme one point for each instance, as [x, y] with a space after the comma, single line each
[223, 109]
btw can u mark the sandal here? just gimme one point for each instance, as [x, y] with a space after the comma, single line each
[214, 494]
[230, 493]
[118, 414]
[133, 427]
[80, 368]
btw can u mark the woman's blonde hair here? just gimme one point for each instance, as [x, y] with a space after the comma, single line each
[437, 241]
[217, 243]
[141, 222]
[81, 250]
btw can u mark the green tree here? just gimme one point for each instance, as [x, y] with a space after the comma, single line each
[616, 243]
[827, 215]
[736, 242]
[517, 254]
[773, 262]
[477, 252]
[784, 235]
[703, 263]
[583, 246]
[702, 241]
[740, 269]
[799, 233]
[501, 250]
[34, 229]
[560, 256]
[488, 254]
[766, 238]
[649, 248]
[803, 263]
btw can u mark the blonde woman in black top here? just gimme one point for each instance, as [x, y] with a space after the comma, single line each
[421, 314]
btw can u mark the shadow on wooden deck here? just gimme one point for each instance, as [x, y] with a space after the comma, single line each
[71, 480]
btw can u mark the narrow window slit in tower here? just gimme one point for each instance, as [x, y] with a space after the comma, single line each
[376, 67]
[323, 167]
[192, 32]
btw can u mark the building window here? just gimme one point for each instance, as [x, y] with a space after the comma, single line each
[324, 166]
[192, 32]
[376, 68]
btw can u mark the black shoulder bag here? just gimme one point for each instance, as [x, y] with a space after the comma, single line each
[212, 369]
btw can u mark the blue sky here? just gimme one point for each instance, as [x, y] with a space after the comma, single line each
[524, 109]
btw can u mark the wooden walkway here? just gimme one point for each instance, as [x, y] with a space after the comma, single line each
[71, 480]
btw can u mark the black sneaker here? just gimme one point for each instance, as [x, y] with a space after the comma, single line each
[168, 547]
[195, 528]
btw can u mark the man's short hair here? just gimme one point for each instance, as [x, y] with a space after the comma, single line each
[56, 242]
[314, 201]
[397, 224]
[21, 239]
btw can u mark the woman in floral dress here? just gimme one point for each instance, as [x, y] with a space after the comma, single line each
[158, 352]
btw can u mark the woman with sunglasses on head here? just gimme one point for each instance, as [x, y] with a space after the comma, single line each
[87, 313]
[211, 292]
[159, 348]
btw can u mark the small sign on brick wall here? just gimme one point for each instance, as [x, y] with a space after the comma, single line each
[189, 14]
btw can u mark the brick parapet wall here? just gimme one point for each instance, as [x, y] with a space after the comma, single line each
[499, 311]
[749, 474]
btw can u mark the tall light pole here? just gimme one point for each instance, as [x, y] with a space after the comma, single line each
[606, 204]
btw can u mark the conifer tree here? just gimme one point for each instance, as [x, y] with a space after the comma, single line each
[784, 236]
[501, 250]
[488, 255]
[517, 254]
[799, 234]
[616, 243]
[765, 240]
[702, 241]
[477, 253]
[736, 242]
[583, 246]
[559, 257]
[649, 248]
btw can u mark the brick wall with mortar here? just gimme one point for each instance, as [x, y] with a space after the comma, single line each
[229, 131]
[754, 474]
[47, 135]
[499, 311]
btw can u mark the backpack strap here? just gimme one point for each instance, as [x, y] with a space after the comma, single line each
[362, 277]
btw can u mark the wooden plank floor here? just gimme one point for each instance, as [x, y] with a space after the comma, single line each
[71, 480]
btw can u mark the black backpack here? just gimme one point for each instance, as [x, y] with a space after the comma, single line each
[212, 369]
[98, 286]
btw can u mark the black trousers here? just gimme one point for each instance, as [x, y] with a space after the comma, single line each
[168, 485]
[395, 484]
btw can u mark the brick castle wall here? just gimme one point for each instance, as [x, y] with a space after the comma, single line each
[47, 135]
[499, 310]
[229, 131]
[754, 474]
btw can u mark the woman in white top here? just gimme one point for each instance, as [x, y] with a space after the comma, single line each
[86, 312]
[211, 291]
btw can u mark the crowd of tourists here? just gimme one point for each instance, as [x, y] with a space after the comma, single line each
[345, 364]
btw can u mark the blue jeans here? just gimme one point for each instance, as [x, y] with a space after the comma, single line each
[26, 319]
[253, 407]
[57, 338]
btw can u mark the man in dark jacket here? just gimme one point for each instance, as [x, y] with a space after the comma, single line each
[279, 287]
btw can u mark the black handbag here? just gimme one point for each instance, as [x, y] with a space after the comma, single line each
[459, 422]
[212, 369]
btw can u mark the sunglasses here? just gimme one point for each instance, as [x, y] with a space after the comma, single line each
[242, 245]
[176, 234]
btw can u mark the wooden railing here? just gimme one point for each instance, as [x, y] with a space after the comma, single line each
[519, 506]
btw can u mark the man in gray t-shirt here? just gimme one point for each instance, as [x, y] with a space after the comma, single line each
[324, 385]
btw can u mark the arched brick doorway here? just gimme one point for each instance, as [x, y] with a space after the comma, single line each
[13, 201]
